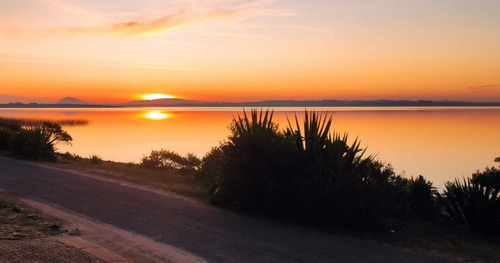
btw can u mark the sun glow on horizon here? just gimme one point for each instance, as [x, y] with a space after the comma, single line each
[156, 96]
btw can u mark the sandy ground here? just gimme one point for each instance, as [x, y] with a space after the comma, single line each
[129, 245]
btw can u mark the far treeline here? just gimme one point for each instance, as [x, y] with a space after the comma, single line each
[306, 173]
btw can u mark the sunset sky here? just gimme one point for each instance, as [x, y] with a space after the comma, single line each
[238, 50]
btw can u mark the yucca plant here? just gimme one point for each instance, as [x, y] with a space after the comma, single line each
[36, 140]
[345, 185]
[327, 152]
[305, 172]
[314, 135]
[255, 164]
[258, 121]
[473, 203]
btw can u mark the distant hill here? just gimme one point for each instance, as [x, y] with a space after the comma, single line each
[71, 100]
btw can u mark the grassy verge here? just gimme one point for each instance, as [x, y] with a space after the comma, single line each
[133, 173]
[19, 221]
[458, 244]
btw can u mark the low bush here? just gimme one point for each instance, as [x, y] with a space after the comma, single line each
[210, 167]
[69, 156]
[421, 200]
[475, 202]
[95, 159]
[169, 160]
[6, 138]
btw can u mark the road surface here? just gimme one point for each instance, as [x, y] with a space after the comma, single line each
[212, 234]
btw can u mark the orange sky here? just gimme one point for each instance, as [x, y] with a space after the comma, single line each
[250, 50]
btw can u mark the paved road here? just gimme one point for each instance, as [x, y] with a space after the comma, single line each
[212, 234]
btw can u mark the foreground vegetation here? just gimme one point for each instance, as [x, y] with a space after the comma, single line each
[309, 173]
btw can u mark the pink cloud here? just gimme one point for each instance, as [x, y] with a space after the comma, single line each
[138, 27]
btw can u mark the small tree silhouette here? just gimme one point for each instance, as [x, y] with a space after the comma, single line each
[36, 140]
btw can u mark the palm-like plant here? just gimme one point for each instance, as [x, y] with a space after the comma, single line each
[327, 152]
[37, 140]
[259, 121]
[307, 171]
[249, 162]
[473, 203]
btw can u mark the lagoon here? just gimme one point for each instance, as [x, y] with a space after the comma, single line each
[440, 143]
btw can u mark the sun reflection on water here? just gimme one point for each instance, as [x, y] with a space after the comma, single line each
[157, 115]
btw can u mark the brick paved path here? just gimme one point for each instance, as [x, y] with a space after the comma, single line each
[42, 251]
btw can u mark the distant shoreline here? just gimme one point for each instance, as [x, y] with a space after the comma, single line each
[270, 103]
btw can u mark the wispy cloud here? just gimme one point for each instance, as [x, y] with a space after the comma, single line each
[182, 16]
[483, 88]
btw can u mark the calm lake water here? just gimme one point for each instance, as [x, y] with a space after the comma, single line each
[440, 143]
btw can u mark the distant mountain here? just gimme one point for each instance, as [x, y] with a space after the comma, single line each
[71, 100]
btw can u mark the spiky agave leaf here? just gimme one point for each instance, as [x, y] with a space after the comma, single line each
[256, 121]
[316, 130]
[473, 204]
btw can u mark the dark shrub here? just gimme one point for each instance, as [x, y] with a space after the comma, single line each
[256, 164]
[475, 202]
[169, 160]
[211, 164]
[69, 156]
[306, 172]
[95, 159]
[345, 187]
[37, 141]
[6, 138]
[421, 198]
[8, 131]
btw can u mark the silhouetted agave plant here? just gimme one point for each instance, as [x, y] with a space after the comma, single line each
[259, 121]
[475, 202]
[326, 150]
[307, 171]
[37, 140]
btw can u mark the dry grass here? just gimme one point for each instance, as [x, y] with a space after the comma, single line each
[28, 223]
[459, 244]
[181, 184]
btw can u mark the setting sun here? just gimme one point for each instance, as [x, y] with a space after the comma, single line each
[156, 96]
